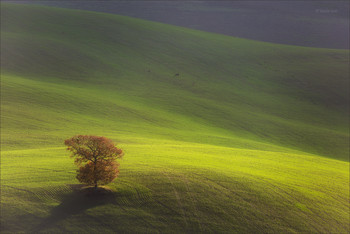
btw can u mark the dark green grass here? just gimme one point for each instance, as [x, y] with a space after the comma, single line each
[249, 137]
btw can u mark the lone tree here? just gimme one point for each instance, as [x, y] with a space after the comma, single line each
[96, 157]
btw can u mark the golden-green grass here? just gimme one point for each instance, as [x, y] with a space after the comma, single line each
[171, 186]
[250, 137]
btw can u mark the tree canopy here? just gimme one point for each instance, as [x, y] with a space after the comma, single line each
[96, 157]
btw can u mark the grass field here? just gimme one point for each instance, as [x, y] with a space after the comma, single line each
[248, 137]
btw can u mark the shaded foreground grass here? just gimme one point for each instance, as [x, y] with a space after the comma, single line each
[77, 202]
[249, 137]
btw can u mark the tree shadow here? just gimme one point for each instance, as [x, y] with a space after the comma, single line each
[81, 199]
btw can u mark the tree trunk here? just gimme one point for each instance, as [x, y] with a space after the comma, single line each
[95, 174]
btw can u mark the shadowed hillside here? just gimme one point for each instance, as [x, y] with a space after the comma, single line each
[315, 23]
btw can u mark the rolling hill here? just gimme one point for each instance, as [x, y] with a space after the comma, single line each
[322, 24]
[221, 134]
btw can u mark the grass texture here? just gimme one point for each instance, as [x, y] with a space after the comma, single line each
[221, 134]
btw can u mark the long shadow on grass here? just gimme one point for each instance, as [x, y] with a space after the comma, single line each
[75, 203]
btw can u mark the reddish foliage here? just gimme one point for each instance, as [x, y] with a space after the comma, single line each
[96, 157]
[104, 172]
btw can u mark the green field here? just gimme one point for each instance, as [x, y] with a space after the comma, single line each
[248, 137]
